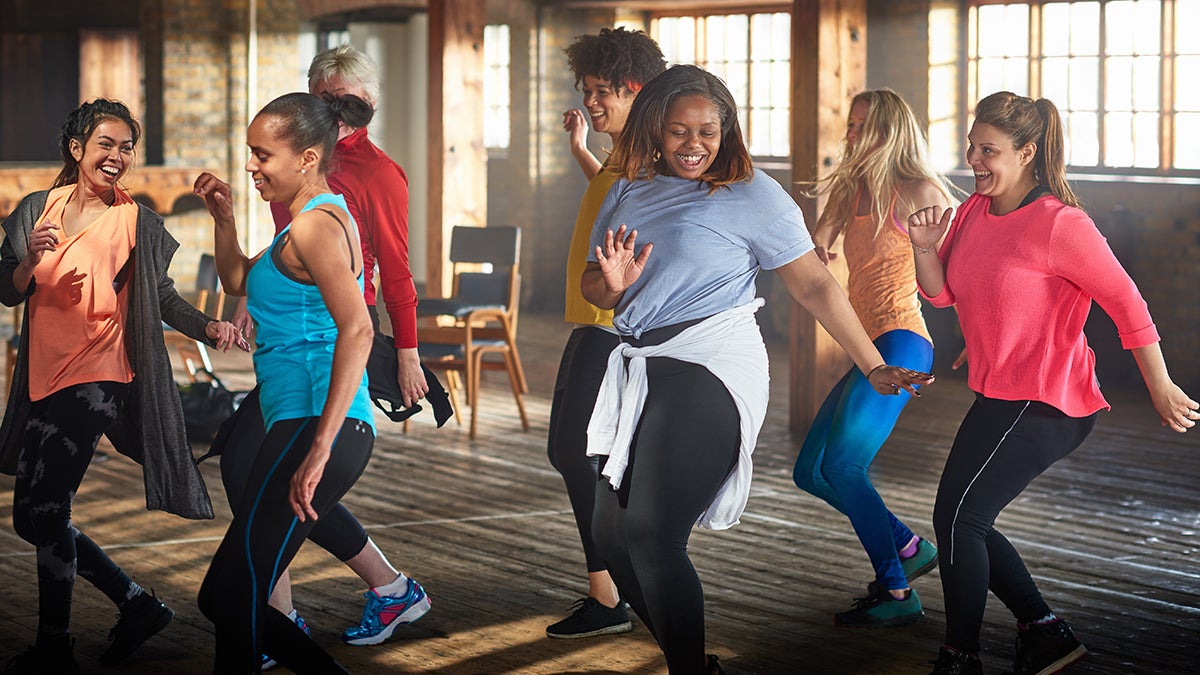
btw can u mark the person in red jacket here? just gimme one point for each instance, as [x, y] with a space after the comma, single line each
[1021, 263]
[376, 192]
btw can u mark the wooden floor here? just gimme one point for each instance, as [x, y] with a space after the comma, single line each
[1112, 534]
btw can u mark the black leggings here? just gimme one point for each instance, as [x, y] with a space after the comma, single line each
[1000, 448]
[262, 540]
[685, 446]
[60, 439]
[338, 531]
[584, 360]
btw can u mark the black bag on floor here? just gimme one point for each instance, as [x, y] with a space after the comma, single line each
[206, 405]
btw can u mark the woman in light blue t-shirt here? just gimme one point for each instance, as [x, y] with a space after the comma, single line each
[313, 335]
[686, 391]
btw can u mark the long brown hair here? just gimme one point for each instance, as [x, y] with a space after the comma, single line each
[638, 154]
[1025, 120]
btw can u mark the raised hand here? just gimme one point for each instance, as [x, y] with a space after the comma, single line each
[926, 227]
[575, 124]
[618, 263]
[217, 197]
[42, 239]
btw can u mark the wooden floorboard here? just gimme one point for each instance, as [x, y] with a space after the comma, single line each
[1110, 533]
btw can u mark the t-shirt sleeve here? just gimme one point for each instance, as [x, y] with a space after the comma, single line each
[1081, 255]
[782, 241]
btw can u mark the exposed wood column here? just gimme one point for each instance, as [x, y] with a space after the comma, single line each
[829, 66]
[457, 158]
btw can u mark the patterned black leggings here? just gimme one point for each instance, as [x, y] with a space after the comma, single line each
[60, 439]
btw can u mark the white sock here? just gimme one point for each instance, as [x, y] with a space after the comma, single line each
[397, 587]
[293, 615]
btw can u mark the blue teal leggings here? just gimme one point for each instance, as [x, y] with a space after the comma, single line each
[846, 434]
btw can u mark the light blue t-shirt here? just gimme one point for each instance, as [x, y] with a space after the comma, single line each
[295, 335]
[708, 248]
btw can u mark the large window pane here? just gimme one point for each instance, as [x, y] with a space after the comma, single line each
[1145, 82]
[1187, 141]
[1118, 139]
[1056, 79]
[496, 87]
[1187, 89]
[1056, 30]
[1187, 17]
[1118, 84]
[1085, 28]
[1003, 30]
[1145, 140]
[1083, 141]
[1084, 86]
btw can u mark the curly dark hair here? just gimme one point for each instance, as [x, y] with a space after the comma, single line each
[619, 55]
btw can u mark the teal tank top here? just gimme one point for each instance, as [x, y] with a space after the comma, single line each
[294, 337]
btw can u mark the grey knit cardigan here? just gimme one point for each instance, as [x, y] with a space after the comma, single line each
[150, 429]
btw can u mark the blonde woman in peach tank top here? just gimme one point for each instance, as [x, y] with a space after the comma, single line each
[884, 172]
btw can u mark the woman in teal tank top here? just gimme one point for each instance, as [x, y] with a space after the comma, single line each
[313, 336]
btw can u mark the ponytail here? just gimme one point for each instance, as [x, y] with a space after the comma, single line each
[1050, 165]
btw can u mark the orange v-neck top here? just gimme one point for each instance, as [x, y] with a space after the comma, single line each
[883, 277]
[76, 315]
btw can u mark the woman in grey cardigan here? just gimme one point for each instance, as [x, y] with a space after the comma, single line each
[90, 264]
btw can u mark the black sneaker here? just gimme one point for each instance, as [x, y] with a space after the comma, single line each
[142, 617]
[40, 660]
[590, 619]
[712, 667]
[953, 662]
[881, 610]
[1045, 648]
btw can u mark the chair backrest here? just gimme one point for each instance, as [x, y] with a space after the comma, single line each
[496, 245]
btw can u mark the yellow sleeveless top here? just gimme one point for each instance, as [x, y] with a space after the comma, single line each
[883, 276]
[580, 310]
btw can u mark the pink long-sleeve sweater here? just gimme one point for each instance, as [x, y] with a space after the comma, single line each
[1023, 284]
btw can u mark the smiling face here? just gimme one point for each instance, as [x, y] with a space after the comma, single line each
[607, 105]
[105, 156]
[691, 137]
[1002, 171]
[273, 164]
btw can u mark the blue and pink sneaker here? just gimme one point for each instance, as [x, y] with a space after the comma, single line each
[383, 614]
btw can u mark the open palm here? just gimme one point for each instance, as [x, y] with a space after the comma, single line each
[618, 262]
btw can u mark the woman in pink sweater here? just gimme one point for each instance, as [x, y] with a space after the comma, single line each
[1021, 263]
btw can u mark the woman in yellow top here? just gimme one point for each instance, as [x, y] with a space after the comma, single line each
[611, 67]
[884, 175]
[91, 266]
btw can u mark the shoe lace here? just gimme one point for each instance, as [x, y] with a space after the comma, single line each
[579, 605]
[867, 602]
[371, 612]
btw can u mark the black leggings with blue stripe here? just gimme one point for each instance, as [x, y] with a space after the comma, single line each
[262, 540]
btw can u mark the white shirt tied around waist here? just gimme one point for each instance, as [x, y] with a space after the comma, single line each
[730, 345]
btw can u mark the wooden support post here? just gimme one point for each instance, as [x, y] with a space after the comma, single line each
[457, 157]
[829, 66]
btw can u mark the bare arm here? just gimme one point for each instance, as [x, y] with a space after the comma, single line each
[1174, 407]
[320, 246]
[810, 284]
[926, 229]
[232, 263]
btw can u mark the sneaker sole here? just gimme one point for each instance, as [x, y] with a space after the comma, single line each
[410, 615]
[607, 630]
[924, 569]
[889, 623]
[1061, 664]
[155, 629]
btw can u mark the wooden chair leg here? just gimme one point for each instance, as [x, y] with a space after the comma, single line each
[514, 380]
[453, 384]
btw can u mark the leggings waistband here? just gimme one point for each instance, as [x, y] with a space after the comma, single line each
[657, 336]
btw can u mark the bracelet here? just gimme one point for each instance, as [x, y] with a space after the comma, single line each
[882, 365]
[923, 251]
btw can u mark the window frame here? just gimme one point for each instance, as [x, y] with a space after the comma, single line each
[1166, 110]
[700, 12]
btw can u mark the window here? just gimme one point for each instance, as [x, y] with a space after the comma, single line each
[496, 129]
[1116, 69]
[751, 53]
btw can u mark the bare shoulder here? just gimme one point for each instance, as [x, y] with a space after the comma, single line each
[316, 224]
[920, 193]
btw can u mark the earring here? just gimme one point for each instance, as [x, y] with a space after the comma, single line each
[303, 170]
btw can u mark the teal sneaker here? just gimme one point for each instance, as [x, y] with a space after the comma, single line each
[922, 562]
[881, 611]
